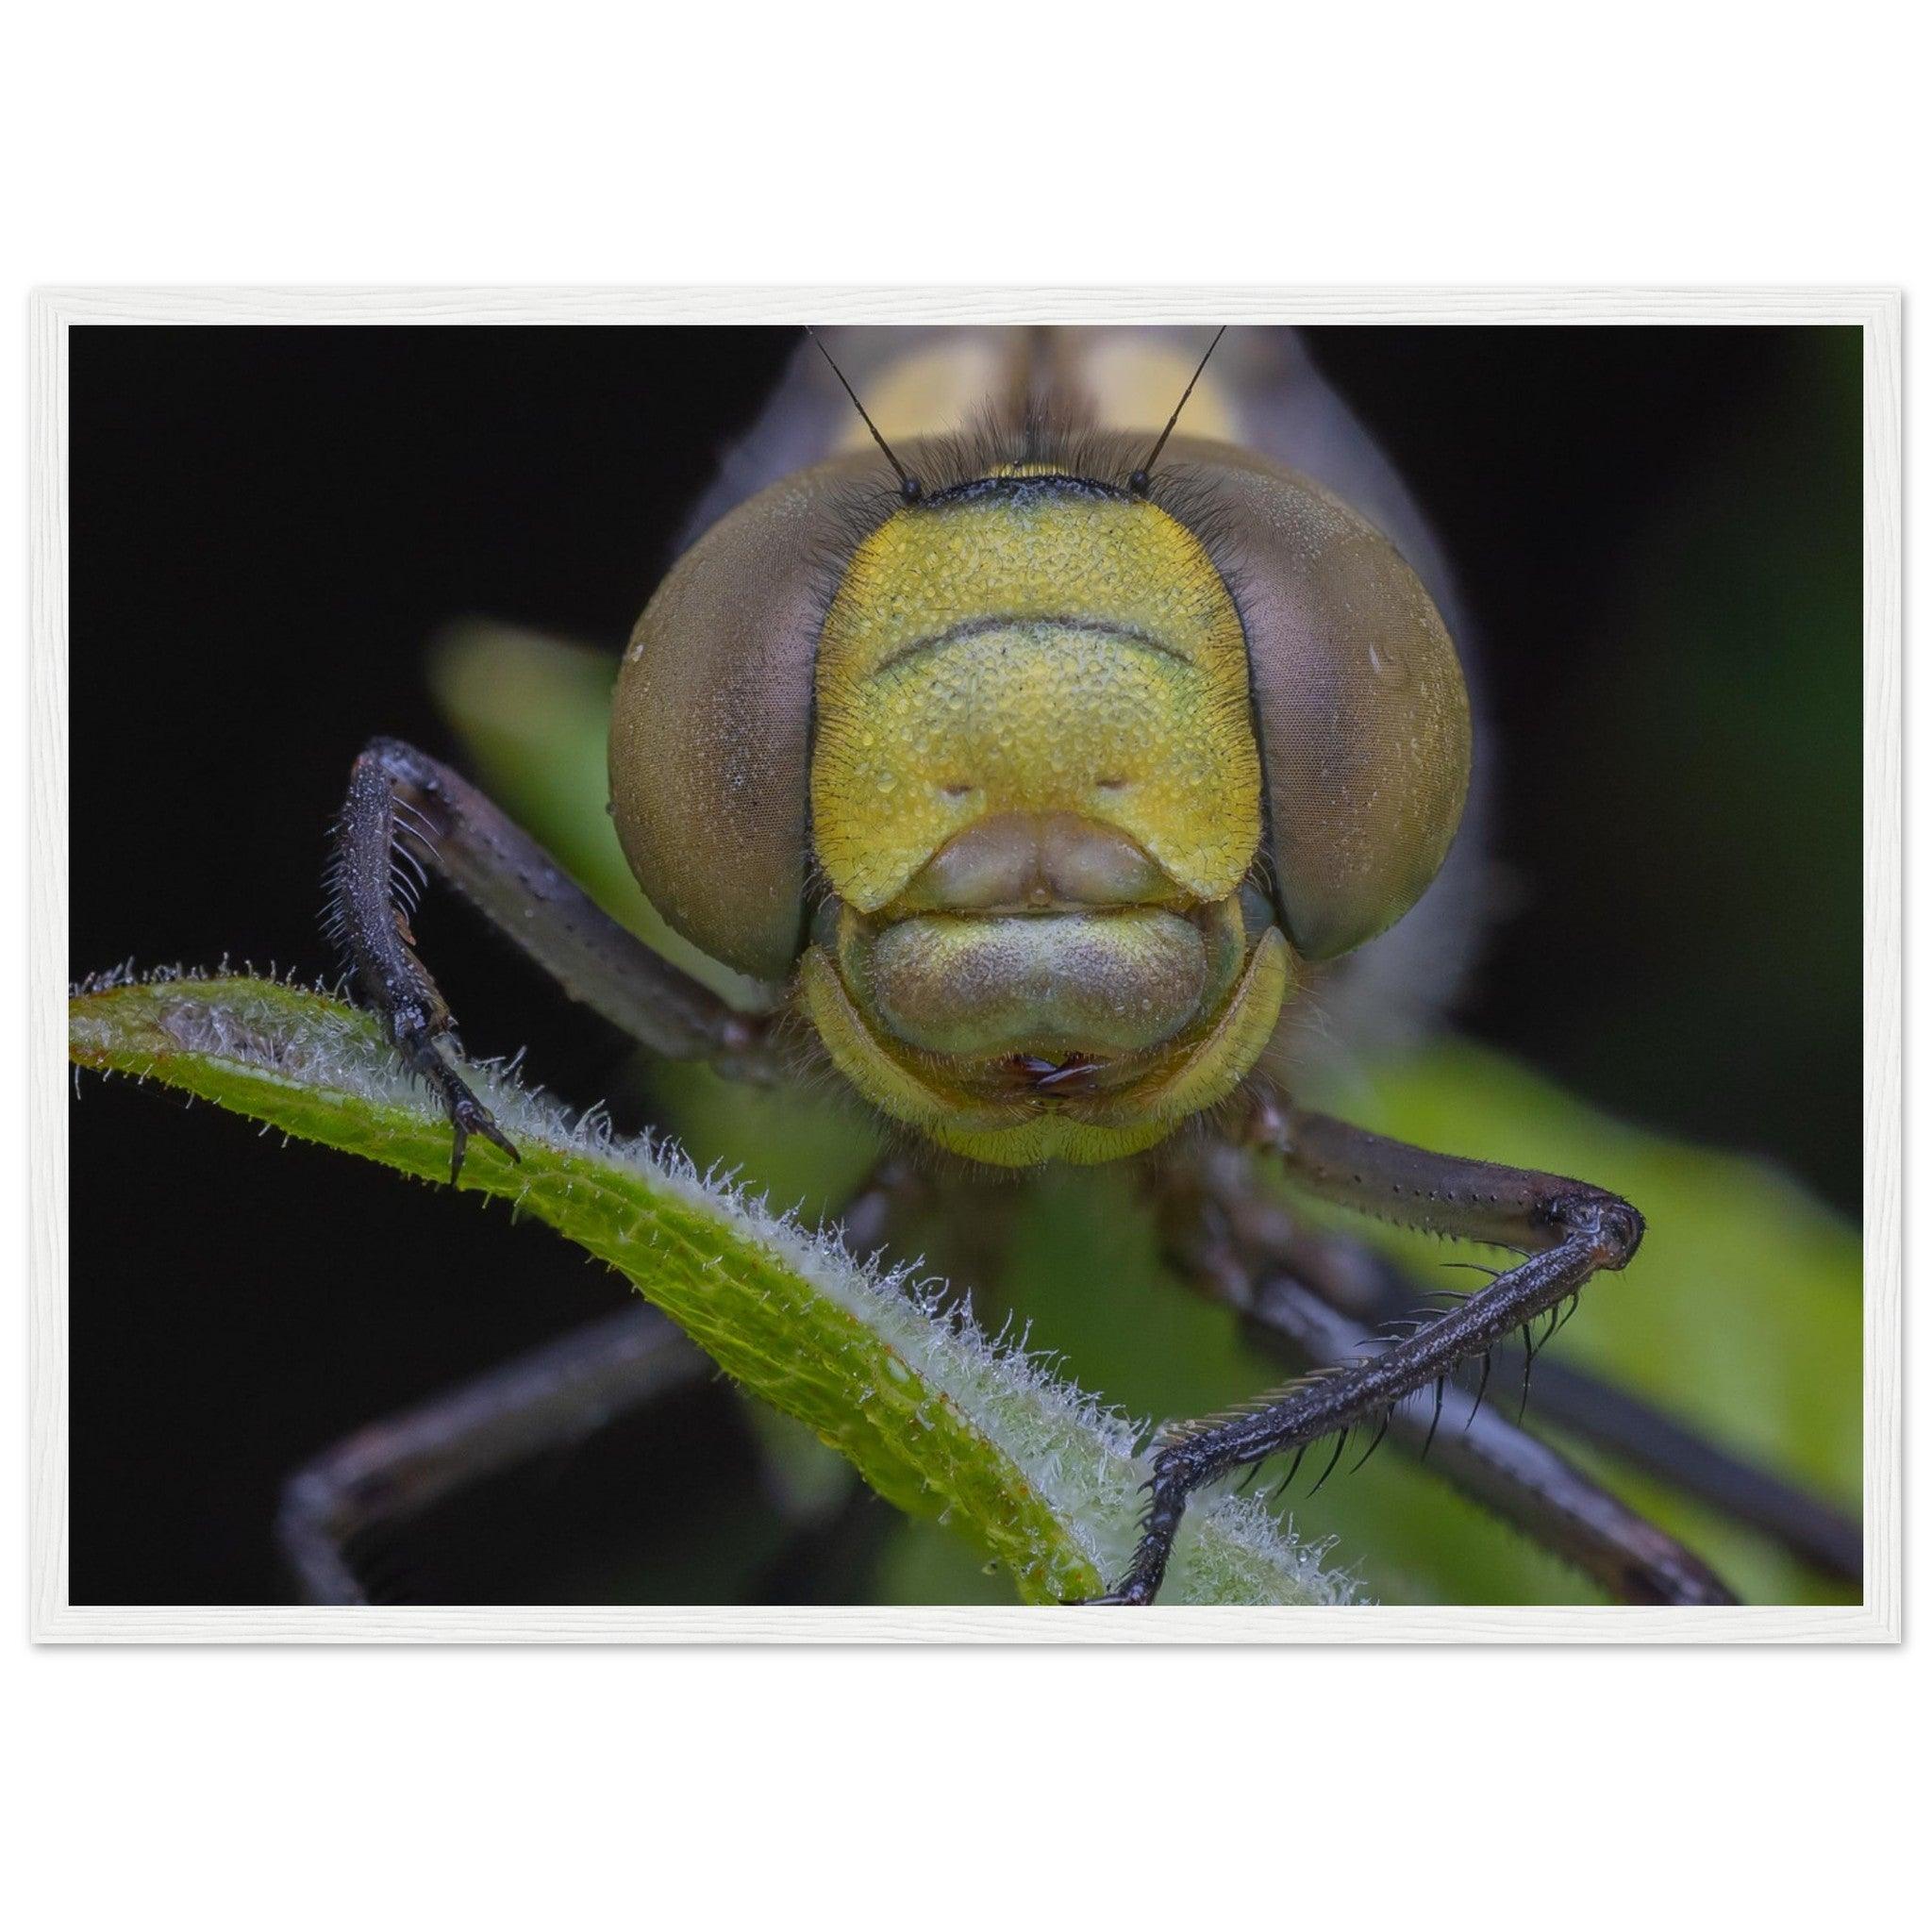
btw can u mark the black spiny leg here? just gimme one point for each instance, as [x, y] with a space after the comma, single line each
[1300, 1295]
[1217, 1188]
[395, 1469]
[1627, 1427]
[1505, 1468]
[1574, 1230]
[406, 815]
[559, 1393]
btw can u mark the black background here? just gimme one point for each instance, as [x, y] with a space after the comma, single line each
[267, 524]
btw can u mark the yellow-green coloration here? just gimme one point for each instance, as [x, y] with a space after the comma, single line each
[1742, 1314]
[935, 1418]
[1043, 650]
[1036, 792]
[1094, 983]
[1152, 1093]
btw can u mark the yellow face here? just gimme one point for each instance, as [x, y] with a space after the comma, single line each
[1035, 796]
[1042, 808]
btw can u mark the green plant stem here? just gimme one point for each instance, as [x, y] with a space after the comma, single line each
[936, 1418]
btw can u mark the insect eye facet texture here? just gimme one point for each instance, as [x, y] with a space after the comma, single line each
[1012, 778]
[1358, 697]
[1030, 745]
[711, 722]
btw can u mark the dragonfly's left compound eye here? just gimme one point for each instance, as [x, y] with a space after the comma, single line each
[1359, 702]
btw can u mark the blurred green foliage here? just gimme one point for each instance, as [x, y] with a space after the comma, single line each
[1742, 1314]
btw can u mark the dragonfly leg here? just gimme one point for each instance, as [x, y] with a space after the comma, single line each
[1370, 1291]
[407, 815]
[1303, 1298]
[559, 1393]
[1506, 1469]
[1567, 1231]
[1646, 1438]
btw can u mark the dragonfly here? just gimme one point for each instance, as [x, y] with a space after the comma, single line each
[1066, 734]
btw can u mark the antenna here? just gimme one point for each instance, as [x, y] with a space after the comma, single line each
[1138, 481]
[909, 483]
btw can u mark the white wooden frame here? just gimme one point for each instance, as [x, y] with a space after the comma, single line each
[1876, 312]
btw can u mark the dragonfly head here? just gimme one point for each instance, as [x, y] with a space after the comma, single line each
[1039, 786]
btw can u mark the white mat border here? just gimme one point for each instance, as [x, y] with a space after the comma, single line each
[55, 311]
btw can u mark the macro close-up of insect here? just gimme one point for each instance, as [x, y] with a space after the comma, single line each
[864, 964]
[1280, 925]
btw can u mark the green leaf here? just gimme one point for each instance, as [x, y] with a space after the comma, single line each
[936, 1418]
[535, 716]
[1742, 1314]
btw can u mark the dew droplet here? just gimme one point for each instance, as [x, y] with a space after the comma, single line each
[1385, 661]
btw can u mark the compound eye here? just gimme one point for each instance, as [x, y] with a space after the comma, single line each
[1359, 701]
[711, 725]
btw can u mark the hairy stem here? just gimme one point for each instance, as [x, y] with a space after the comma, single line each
[936, 1417]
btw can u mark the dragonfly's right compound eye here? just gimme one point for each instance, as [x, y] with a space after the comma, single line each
[1359, 701]
[710, 732]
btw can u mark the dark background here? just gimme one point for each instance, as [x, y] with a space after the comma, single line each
[1657, 532]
